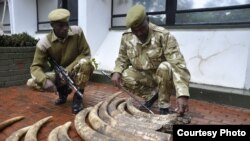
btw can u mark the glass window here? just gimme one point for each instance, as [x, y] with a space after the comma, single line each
[120, 7]
[158, 19]
[152, 5]
[198, 4]
[45, 6]
[72, 6]
[186, 12]
[119, 21]
[212, 17]
[6, 17]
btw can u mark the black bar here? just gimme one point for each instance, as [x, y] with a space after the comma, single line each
[37, 17]
[211, 132]
[112, 12]
[171, 6]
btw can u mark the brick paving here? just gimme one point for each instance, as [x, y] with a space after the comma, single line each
[33, 105]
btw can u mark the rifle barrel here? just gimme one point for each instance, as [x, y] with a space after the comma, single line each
[59, 69]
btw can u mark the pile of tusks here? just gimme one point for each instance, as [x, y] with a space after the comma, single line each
[114, 119]
[57, 134]
[117, 119]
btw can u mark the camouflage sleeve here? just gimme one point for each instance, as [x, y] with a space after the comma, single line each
[122, 62]
[84, 49]
[181, 75]
[37, 66]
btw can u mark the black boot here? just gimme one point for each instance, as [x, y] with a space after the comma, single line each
[77, 104]
[151, 101]
[63, 92]
[164, 111]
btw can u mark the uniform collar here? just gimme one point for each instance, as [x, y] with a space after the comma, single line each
[54, 37]
[149, 36]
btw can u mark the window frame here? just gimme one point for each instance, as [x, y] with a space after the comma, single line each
[63, 5]
[171, 12]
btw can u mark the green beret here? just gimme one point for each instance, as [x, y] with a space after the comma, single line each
[59, 15]
[135, 16]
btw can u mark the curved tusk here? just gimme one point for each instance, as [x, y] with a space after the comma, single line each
[32, 132]
[8, 122]
[86, 132]
[122, 107]
[112, 107]
[167, 121]
[102, 127]
[121, 115]
[53, 134]
[135, 128]
[161, 118]
[17, 135]
[103, 114]
[63, 132]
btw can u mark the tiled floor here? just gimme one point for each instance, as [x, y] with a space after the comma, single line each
[33, 105]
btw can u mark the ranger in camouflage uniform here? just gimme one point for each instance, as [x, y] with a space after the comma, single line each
[150, 62]
[68, 46]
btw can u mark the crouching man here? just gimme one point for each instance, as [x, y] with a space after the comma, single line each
[68, 47]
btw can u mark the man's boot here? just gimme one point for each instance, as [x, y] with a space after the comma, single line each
[151, 101]
[63, 92]
[164, 111]
[77, 104]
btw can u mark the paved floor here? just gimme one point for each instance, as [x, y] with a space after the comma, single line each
[33, 105]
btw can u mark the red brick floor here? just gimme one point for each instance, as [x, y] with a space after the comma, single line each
[33, 105]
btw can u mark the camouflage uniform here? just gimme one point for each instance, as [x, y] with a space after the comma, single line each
[156, 65]
[73, 54]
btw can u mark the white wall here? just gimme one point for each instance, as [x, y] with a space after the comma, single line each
[247, 81]
[108, 51]
[23, 16]
[94, 17]
[216, 57]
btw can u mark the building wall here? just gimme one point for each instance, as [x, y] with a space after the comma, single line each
[94, 18]
[217, 57]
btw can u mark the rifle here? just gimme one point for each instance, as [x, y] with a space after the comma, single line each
[64, 75]
[131, 95]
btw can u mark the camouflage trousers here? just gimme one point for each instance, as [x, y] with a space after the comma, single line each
[80, 74]
[145, 83]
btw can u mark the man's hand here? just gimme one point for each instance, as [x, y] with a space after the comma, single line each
[116, 79]
[182, 105]
[49, 86]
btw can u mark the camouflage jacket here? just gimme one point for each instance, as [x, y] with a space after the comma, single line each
[160, 46]
[67, 53]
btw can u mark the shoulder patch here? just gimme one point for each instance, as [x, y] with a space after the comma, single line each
[43, 44]
[76, 30]
[160, 29]
[127, 31]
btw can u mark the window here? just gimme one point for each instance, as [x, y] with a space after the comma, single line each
[186, 12]
[45, 6]
[155, 10]
[4, 17]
